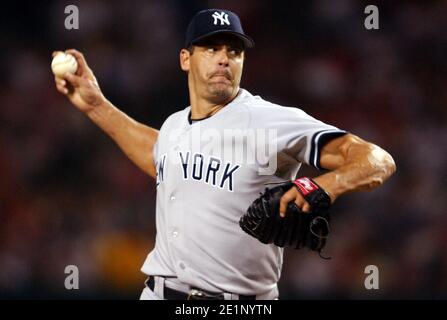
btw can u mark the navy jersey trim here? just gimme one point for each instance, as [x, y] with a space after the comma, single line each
[319, 139]
[191, 121]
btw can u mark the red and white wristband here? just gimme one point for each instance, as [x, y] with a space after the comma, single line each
[316, 196]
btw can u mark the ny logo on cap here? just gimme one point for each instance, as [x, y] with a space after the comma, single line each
[223, 17]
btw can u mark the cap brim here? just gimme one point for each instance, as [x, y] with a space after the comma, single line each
[248, 42]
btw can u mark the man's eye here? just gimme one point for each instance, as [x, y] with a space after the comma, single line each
[235, 52]
[211, 49]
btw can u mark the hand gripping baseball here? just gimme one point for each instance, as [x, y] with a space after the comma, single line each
[296, 229]
[82, 87]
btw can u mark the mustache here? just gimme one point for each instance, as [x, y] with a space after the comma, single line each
[226, 73]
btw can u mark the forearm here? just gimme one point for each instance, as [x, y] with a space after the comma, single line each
[365, 168]
[135, 139]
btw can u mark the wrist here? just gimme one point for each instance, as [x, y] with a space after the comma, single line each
[315, 195]
[100, 110]
[328, 186]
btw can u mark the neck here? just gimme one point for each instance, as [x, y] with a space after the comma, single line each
[203, 108]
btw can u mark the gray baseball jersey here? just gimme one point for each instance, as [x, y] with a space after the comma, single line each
[208, 173]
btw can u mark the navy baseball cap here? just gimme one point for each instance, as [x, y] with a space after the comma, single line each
[212, 21]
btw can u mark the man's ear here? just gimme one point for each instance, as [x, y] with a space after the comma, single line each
[184, 59]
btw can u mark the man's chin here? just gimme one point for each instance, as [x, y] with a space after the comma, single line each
[221, 92]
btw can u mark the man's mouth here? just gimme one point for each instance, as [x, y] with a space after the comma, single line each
[225, 75]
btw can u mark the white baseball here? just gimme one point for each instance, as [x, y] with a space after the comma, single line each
[63, 63]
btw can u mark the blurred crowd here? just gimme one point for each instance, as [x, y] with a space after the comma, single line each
[68, 196]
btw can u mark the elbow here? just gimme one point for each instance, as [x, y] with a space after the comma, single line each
[385, 164]
[378, 165]
[388, 164]
[391, 165]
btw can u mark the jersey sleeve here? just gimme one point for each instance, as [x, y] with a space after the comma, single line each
[295, 133]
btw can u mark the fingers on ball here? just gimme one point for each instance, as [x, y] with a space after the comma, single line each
[61, 85]
[62, 89]
[60, 81]
[79, 56]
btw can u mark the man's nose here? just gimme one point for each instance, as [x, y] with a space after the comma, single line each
[223, 57]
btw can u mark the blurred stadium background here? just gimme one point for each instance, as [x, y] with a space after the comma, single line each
[68, 196]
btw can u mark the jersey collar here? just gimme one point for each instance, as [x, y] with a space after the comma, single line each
[241, 95]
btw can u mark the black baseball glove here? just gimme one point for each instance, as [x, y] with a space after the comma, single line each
[296, 229]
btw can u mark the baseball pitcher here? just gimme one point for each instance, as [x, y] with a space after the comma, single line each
[229, 193]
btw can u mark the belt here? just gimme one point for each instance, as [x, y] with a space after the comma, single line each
[194, 294]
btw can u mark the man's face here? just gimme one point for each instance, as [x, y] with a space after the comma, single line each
[215, 67]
